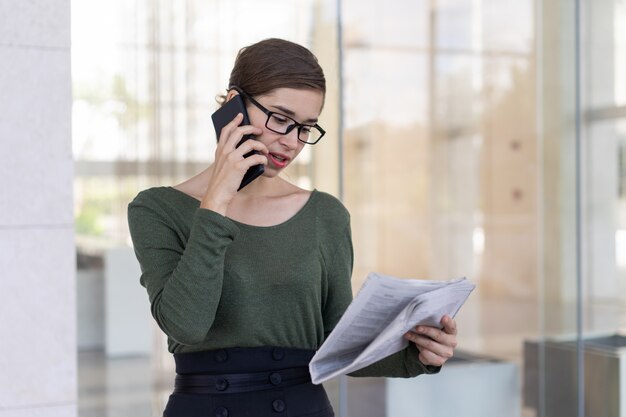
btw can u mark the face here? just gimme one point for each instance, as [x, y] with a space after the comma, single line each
[302, 105]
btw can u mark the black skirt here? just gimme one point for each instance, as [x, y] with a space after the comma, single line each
[246, 382]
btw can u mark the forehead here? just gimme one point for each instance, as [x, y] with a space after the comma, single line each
[306, 104]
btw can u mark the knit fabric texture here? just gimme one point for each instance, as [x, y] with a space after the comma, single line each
[214, 282]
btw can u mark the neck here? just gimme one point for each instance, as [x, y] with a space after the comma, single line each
[260, 187]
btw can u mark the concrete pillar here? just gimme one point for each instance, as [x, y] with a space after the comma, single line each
[37, 255]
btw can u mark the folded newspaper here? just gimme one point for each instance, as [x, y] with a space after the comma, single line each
[374, 324]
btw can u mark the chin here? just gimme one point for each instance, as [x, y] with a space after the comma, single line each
[271, 172]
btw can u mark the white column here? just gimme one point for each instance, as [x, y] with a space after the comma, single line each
[37, 256]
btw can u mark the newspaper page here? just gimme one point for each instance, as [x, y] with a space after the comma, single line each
[374, 324]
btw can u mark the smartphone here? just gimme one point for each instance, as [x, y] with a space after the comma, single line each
[225, 115]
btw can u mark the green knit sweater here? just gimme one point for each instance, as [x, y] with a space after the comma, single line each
[214, 282]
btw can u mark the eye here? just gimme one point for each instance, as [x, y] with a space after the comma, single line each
[306, 129]
[280, 119]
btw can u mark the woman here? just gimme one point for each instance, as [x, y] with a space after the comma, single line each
[247, 284]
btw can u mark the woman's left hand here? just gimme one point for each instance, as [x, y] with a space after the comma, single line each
[436, 346]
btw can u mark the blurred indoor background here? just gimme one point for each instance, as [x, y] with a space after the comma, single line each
[477, 138]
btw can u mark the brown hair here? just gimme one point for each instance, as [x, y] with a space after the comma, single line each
[275, 63]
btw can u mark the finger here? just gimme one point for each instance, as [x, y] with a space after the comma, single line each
[253, 160]
[252, 145]
[440, 335]
[429, 358]
[232, 133]
[436, 335]
[427, 344]
[449, 325]
[432, 332]
[237, 135]
[228, 129]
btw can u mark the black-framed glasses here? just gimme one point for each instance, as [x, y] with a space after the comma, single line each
[281, 124]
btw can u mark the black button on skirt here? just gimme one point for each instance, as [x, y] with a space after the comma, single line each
[276, 398]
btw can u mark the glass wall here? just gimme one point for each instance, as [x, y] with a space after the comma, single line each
[480, 138]
[442, 177]
[145, 77]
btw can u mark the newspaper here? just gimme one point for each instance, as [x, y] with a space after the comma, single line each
[374, 324]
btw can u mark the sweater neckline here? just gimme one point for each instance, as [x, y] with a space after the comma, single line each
[302, 209]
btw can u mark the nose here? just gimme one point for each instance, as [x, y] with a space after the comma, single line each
[290, 140]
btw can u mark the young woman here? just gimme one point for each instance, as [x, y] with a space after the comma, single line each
[247, 284]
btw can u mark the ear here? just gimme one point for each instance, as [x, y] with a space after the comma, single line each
[231, 93]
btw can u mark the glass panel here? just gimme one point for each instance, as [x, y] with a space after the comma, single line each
[605, 310]
[582, 280]
[619, 51]
[507, 26]
[145, 77]
[398, 24]
[382, 121]
[456, 24]
[458, 160]
[604, 298]
[551, 361]
[441, 179]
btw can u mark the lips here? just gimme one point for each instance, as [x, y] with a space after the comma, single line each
[278, 159]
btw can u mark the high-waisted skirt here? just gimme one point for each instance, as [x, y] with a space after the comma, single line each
[246, 382]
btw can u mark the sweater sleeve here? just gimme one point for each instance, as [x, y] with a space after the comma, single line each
[403, 364]
[184, 282]
[338, 262]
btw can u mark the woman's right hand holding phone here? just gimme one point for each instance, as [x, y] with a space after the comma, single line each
[230, 165]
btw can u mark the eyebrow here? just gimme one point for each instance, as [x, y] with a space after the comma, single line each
[290, 113]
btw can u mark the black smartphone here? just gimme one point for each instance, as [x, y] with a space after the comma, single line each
[225, 115]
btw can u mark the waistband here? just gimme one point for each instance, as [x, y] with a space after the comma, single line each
[237, 383]
[242, 360]
[236, 370]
